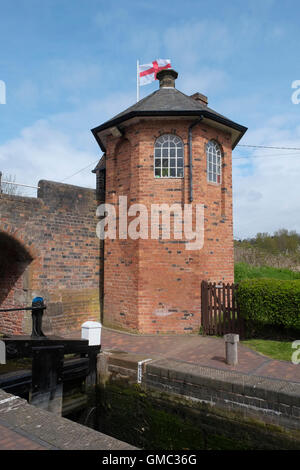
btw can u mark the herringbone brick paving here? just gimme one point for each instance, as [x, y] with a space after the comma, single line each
[202, 350]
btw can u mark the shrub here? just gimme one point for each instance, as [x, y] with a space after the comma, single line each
[270, 302]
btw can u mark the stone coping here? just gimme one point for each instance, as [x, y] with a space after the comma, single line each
[253, 385]
[51, 431]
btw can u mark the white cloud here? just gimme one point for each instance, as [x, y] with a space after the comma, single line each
[73, 74]
[206, 80]
[58, 82]
[196, 41]
[266, 195]
[56, 147]
[27, 93]
[43, 152]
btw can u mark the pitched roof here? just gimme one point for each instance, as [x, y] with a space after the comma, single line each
[100, 165]
[165, 99]
[167, 102]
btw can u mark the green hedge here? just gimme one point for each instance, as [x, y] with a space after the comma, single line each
[270, 302]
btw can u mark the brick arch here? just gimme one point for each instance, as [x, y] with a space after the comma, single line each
[218, 142]
[181, 133]
[21, 238]
[113, 143]
[123, 143]
[16, 254]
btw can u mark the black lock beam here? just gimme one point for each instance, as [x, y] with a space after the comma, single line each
[47, 374]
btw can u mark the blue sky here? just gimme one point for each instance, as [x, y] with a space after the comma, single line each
[68, 66]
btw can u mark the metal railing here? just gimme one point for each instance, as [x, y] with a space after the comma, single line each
[15, 184]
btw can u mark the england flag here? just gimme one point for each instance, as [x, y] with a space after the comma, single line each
[148, 72]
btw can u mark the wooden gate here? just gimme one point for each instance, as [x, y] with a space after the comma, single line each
[220, 312]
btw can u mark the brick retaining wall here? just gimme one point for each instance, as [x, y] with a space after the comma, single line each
[271, 401]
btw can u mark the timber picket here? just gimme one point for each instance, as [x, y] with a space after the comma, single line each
[220, 310]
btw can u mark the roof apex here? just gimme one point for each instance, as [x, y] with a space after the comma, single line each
[168, 102]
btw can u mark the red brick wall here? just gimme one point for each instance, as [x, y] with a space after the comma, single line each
[49, 247]
[153, 286]
[11, 294]
[121, 256]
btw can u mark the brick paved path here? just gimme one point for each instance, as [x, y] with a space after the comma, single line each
[202, 350]
[11, 440]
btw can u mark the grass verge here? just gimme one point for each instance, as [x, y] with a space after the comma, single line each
[281, 350]
[246, 271]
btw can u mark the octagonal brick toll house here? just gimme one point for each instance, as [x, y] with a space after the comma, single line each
[168, 148]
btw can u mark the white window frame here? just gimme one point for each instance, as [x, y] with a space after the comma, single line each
[214, 162]
[169, 147]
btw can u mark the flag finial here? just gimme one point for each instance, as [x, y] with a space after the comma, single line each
[167, 78]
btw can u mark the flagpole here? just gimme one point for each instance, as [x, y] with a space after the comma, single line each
[137, 81]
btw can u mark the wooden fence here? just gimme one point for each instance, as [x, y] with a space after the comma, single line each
[220, 312]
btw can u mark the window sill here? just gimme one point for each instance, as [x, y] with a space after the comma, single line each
[168, 177]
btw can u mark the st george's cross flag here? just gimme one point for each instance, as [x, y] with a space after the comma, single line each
[147, 72]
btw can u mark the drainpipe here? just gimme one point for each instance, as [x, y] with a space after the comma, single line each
[190, 139]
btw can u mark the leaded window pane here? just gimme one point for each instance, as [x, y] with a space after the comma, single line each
[214, 160]
[168, 154]
[172, 152]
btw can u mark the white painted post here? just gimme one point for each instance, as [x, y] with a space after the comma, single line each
[140, 370]
[231, 342]
[91, 330]
[2, 353]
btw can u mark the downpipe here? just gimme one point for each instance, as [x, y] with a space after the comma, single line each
[190, 144]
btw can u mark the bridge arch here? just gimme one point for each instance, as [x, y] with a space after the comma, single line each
[15, 258]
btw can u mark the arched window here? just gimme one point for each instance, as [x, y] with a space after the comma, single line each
[214, 162]
[168, 157]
